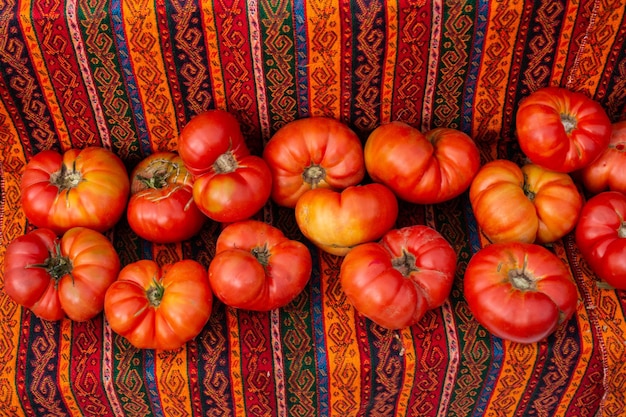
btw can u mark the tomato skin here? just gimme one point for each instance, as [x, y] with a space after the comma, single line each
[157, 307]
[601, 236]
[161, 208]
[337, 221]
[606, 173]
[313, 152]
[256, 267]
[58, 277]
[236, 193]
[394, 282]
[208, 135]
[519, 291]
[527, 204]
[82, 187]
[421, 168]
[562, 130]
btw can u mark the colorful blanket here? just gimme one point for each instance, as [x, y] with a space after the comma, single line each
[128, 75]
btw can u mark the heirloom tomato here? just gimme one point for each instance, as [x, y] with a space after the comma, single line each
[208, 135]
[608, 171]
[562, 130]
[161, 208]
[421, 168]
[57, 277]
[527, 204]
[87, 187]
[157, 307]
[519, 291]
[601, 236]
[310, 153]
[337, 221]
[235, 189]
[257, 268]
[394, 282]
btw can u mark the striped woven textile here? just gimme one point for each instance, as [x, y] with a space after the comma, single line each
[128, 75]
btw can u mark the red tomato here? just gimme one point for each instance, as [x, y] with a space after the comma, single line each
[236, 189]
[161, 207]
[87, 187]
[421, 168]
[337, 221]
[394, 282]
[519, 291]
[608, 171]
[601, 236]
[310, 153]
[159, 308]
[208, 135]
[57, 277]
[257, 268]
[527, 204]
[562, 130]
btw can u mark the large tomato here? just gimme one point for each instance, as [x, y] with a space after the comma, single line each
[601, 236]
[562, 130]
[257, 268]
[161, 208]
[608, 171]
[527, 204]
[337, 221]
[159, 307]
[235, 189]
[310, 153]
[519, 291]
[208, 135]
[87, 187]
[421, 168]
[57, 277]
[394, 282]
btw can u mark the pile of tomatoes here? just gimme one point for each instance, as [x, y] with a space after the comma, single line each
[344, 195]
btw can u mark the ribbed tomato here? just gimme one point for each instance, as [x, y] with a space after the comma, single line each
[608, 171]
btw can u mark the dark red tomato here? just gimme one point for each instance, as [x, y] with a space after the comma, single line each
[608, 171]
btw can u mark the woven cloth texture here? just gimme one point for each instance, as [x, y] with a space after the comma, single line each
[128, 75]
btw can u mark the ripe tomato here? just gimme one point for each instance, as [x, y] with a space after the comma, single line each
[607, 172]
[235, 189]
[601, 236]
[55, 277]
[257, 268]
[394, 282]
[527, 204]
[208, 135]
[87, 187]
[562, 130]
[337, 221]
[161, 207]
[310, 153]
[159, 308]
[519, 291]
[421, 168]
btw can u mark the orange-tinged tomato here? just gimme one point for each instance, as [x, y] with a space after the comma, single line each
[337, 221]
[527, 204]
[315, 152]
[83, 187]
[608, 171]
[159, 307]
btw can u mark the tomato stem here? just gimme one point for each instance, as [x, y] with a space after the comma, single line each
[313, 174]
[621, 231]
[262, 254]
[225, 163]
[56, 265]
[155, 293]
[405, 264]
[66, 179]
[569, 122]
[521, 279]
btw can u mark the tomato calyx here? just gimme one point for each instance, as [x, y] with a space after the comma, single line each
[569, 122]
[313, 174]
[225, 163]
[66, 179]
[56, 265]
[405, 264]
[155, 292]
[521, 279]
[262, 255]
[530, 194]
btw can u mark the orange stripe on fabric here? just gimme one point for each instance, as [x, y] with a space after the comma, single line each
[405, 336]
[325, 53]
[391, 52]
[13, 224]
[65, 365]
[140, 24]
[173, 382]
[344, 370]
[44, 77]
[236, 373]
[212, 48]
